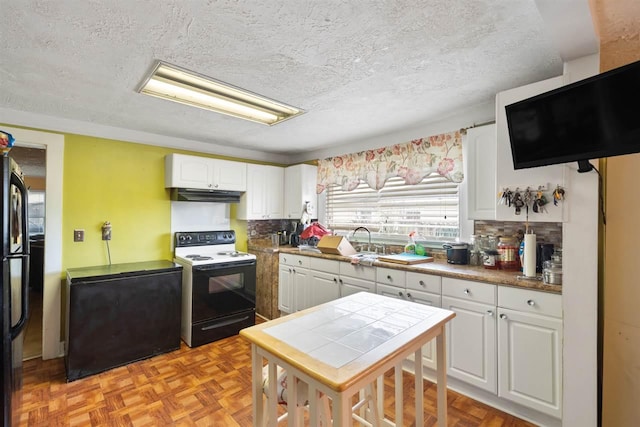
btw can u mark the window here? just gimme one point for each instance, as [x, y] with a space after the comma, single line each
[35, 210]
[430, 208]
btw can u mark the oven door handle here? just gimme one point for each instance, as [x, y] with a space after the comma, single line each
[210, 267]
[225, 323]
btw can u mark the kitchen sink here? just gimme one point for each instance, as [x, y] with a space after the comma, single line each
[306, 248]
[365, 254]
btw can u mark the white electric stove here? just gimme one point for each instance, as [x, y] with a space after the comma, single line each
[218, 286]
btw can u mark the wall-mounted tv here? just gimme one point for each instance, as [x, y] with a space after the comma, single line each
[589, 119]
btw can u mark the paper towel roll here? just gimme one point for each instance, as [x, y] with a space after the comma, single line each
[529, 266]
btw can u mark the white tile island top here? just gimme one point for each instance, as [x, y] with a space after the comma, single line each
[343, 346]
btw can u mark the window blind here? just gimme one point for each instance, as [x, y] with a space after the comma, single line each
[430, 208]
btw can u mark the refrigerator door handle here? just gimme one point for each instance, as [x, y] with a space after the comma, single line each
[24, 288]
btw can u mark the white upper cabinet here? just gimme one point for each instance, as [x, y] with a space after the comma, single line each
[229, 175]
[508, 177]
[300, 189]
[264, 198]
[183, 171]
[480, 174]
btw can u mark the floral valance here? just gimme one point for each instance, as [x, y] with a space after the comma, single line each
[412, 161]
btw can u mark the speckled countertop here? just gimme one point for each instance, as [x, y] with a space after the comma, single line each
[439, 267]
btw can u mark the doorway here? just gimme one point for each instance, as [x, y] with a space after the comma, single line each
[32, 161]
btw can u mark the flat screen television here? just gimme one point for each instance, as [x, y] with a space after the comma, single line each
[589, 119]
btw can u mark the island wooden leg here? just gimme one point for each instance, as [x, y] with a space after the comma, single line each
[442, 377]
[256, 389]
[417, 369]
[397, 374]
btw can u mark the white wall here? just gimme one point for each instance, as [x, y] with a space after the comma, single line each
[580, 282]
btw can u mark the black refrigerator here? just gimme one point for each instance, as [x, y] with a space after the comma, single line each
[15, 279]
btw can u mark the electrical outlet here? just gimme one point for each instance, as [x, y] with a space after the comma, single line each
[78, 235]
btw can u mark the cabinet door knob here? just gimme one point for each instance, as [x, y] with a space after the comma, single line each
[340, 280]
[294, 270]
[216, 186]
[490, 312]
[422, 283]
[531, 302]
[408, 295]
[389, 278]
[503, 316]
[290, 270]
[400, 293]
[300, 261]
[467, 291]
[335, 280]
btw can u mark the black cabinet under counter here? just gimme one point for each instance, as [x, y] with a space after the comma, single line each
[121, 313]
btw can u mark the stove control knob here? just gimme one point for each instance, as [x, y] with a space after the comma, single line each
[189, 238]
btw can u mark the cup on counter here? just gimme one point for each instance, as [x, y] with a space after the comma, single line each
[275, 240]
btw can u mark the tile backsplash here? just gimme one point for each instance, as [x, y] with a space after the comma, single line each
[261, 229]
[547, 232]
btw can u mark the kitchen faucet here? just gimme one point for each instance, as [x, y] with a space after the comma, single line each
[368, 232]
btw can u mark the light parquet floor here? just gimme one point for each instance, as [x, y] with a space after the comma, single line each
[205, 386]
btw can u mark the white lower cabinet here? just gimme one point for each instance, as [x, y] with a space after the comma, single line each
[425, 289]
[285, 288]
[330, 280]
[293, 283]
[323, 287]
[471, 335]
[356, 278]
[530, 349]
[352, 285]
[504, 340]
[416, 287]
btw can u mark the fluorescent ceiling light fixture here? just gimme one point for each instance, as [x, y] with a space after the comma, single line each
[186, 87]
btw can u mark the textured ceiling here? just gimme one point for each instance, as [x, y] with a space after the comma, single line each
[359, 68]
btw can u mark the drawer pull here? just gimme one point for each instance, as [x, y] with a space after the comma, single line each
[531, 302]
[503, 316]
[467, 291]
[490, 312]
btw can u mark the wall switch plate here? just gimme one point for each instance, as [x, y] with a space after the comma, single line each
[78, 235]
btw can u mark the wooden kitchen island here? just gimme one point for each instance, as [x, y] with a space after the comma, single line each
[344, 347]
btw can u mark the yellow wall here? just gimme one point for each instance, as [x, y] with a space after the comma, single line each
[106, 180]
[123, 183]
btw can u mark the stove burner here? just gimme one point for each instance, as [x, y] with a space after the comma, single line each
[233, 253]
[196, 257]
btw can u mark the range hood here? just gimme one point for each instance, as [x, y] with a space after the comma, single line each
[196, 195]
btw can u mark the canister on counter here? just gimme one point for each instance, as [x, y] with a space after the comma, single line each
[490, 259]
[508, 250]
